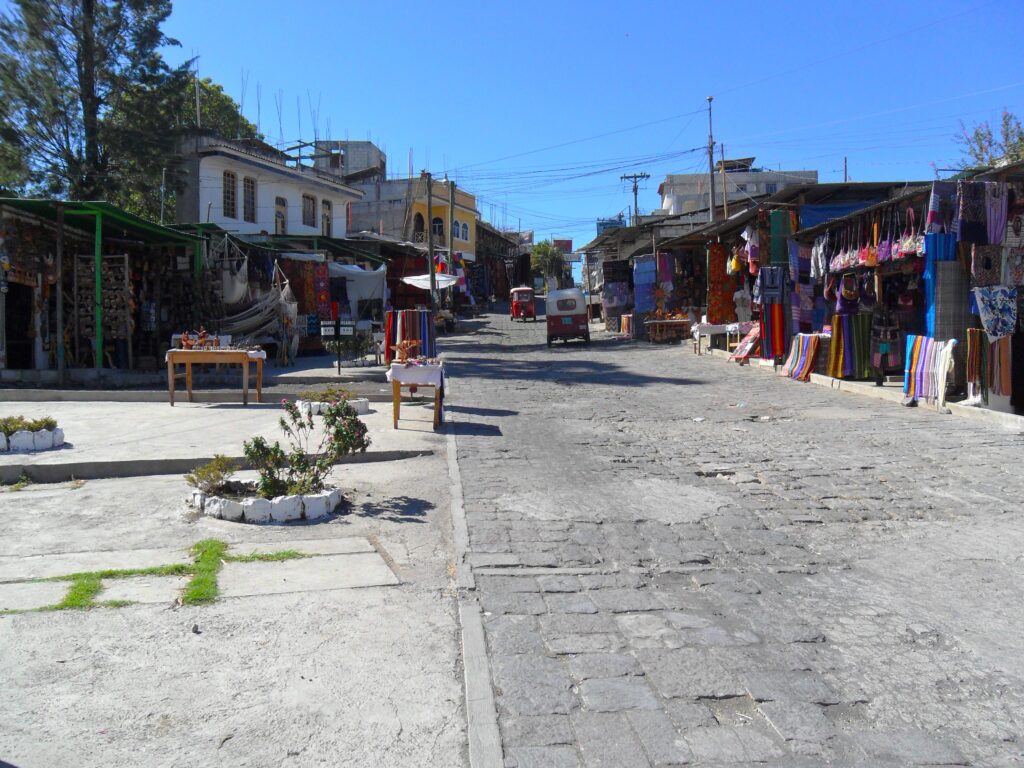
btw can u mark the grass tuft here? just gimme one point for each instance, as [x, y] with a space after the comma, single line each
[266, 557]
[209, 557]
[177, 569]
[80, 596]
[22, 482]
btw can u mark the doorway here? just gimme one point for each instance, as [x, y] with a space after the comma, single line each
[18, 325]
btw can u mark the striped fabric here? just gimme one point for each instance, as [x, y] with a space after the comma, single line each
[802, 356]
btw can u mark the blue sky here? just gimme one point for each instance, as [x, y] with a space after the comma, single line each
[540, 107]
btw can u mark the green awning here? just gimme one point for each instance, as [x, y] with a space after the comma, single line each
[82, 215]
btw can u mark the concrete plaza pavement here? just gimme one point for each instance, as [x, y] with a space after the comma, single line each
[347, 657]
[684, 562]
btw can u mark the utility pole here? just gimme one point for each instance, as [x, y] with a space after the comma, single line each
[845, 177]
[451, 228]
[430, 239]
[725, 185]
[636, 178]
[163, 192]
[711, 164]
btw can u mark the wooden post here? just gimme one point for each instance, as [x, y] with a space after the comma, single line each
[60, 293]
[98, 293]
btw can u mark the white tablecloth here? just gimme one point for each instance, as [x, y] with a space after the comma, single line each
[430, 375]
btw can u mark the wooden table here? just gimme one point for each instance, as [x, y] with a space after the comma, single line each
[404, 376]
[667, 330]
[188, 357]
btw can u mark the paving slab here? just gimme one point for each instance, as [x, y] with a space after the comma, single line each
[325, 572]
[26, 596]
[144, 589]
[13, 568]
[345, 546]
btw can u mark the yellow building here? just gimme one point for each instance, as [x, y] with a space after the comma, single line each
[462, 221]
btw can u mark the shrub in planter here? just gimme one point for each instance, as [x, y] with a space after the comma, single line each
[301, 468]
[212, 477]
[11, 424]
[328, 394]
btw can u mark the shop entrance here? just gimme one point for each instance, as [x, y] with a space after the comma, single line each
[17, 323]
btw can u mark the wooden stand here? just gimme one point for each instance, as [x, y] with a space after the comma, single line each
[396, 394]
[219, 357]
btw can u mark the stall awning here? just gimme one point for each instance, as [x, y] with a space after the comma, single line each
[423, 281]
[81, 215]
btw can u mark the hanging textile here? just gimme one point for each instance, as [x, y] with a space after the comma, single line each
[779, 226]
[928, 365]
[1000, 367]
[973, 227]
[645, 278]
[773, 331]
[997, 306]
[986, 264]
[721, 287]
[942, 208]
[410, 325]
[940, 247]
[886, 346]
[322, 288]
[996, 199]
[977, 364]
[850, 350]
[802, 298]
[802, 356]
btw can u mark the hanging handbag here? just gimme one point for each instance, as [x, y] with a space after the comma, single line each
[865, 246]
[885, 246]
[848, 299]
[909, 240]
[831, 289]
[872, 260]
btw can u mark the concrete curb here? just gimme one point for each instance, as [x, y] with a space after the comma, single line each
[202, 397]
[481, 712]
[895, 395]
[104, 470]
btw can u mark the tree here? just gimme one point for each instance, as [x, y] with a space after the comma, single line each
[154, 120]
[982, 148]
[65, 66]
[546, 260]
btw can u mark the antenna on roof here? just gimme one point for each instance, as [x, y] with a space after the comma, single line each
[259, 94]
[279, 104]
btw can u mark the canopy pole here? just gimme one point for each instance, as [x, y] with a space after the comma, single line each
[98, 292]
[197, 259]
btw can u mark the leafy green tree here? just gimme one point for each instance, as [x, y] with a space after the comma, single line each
[167, 113]
[64, 66]
[546, 260]
[982, 147]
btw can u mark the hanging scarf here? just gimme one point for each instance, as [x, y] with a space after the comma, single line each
[997, 306]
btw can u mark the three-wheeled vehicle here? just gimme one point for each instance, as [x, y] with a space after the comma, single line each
[567, 315]
[521, 304]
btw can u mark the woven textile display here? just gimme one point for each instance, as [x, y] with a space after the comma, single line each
[322, 289]
[928, 365]
[802, 356]
[410, 325]
[645, 278]
[850, 352]
[721, 287]
[773, 331]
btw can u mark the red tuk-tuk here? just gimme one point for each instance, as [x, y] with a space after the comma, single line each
[521, 304]
[567, 315]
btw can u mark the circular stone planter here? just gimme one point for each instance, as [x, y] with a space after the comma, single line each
[253, 509]
[361, 405]
[24, 441]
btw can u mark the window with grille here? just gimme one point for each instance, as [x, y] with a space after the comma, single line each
[230, 202]
[280, 216]
[326, 214]
[308, 211]
[437, 225]
[249, 199]
[771, 188]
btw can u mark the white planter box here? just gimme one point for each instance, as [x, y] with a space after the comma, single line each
[285, 508]
[279, 510]
[23, 441]
[360, 405]
[256, 510]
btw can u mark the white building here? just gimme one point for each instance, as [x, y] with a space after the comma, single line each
[688, 192]
[248, 187]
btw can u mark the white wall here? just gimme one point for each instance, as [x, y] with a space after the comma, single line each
[269, 186]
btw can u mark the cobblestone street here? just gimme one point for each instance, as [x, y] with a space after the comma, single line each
[680, 562]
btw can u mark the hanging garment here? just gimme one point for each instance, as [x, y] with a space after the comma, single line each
[886, 345]
[940, 247]
[1013, 249]
[996, 201]
[779, 227]
[1000, 368]
[973, 227]
[986, 264]
[750, 234]
[772, 282]
[942, 207]
[977, 364]
[773, 331]
[997, 306]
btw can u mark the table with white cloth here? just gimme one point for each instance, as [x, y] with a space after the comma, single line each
[411, 376]
[242, 357]
[728, 330]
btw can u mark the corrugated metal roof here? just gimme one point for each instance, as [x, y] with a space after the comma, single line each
[82, 214]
